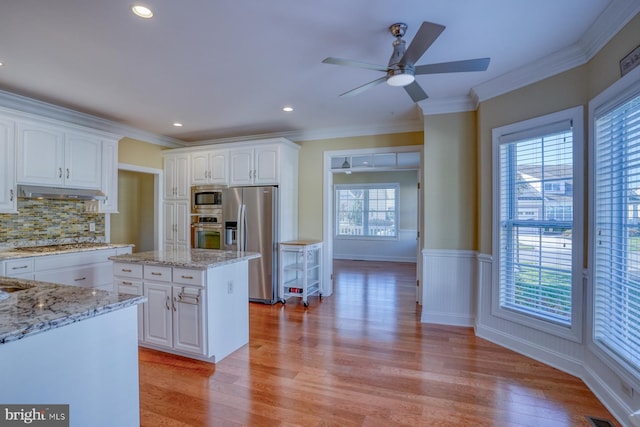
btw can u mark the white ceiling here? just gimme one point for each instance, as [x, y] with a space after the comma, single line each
[225, 68]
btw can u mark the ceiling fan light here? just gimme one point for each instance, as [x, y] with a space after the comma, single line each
[400, 79]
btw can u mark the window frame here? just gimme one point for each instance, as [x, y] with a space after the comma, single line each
[366, 186]
[623, 90]
[573, 331]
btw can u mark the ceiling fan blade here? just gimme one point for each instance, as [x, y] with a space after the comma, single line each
[426, 35]
[364, 87]
[350, 63]
[479, 64]
[415, 92]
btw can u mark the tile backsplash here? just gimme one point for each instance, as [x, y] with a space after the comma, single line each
[42, 220]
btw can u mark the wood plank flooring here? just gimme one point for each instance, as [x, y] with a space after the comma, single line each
[360, 358]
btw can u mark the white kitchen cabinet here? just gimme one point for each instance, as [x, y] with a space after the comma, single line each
[209, 167]
[47, 155]
[254, 165]
[127, 279]
[174, 313]
[109, 176]
[176, 225]
[8, 190]
[176, 176]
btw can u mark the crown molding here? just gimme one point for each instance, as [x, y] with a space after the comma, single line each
[23, 104]
[604, 28]
[448, 105]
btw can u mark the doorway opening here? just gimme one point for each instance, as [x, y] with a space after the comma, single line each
[364, 167]
[138, 219]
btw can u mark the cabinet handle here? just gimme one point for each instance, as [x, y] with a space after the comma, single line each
[166, 303]
[126, 270]
[175, 300]
[67, 173]
[20, 268]
[127, 283]
[187, 277]
[59, 172]
[153, 273]
[11, 194]
[80, 279]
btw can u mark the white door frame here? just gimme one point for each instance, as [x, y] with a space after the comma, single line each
[327, 213]
[157, 202]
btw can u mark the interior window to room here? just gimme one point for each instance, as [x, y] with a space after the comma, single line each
[616, 229]
[367, 210]
[537, 226]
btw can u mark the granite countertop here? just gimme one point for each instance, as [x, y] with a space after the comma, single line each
[24, 252]
[197, 259]
[33, 307]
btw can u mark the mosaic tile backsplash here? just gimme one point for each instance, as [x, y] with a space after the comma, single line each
[42, 220]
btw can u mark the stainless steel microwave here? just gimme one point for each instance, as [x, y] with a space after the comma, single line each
[206, 199]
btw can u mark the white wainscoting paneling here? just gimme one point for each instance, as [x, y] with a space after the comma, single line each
[403, 249]
[448, 291]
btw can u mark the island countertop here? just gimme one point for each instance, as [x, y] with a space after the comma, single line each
[197, 259]
[33, 307]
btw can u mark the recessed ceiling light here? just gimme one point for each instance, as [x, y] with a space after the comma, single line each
[1, 64]
[142, 11]
[287, 109]
[178, 125]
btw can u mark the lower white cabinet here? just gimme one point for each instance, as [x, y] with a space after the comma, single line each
[202, 314]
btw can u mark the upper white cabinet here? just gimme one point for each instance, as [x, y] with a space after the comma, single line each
[254, 165]
[47, 155]
[8, 195]
[109, 176]
[209, 167]
[176, 176]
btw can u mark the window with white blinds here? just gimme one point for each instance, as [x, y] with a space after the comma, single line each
[616, 233]
[538, 238]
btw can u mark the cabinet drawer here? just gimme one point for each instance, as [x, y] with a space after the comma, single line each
[129, 287]
[18, 266]
[127, 270]
[75, 259]
[188, 277]
[157, 273]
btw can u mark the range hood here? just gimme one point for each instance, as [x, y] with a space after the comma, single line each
[39, 192]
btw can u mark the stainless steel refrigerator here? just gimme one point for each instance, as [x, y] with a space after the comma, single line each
[250, 216]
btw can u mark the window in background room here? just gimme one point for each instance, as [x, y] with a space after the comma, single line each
[538, 225]
[616, 229]
[367, 210]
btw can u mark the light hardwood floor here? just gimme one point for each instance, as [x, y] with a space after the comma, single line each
[361, 358]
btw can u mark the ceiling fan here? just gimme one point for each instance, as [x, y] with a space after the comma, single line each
[402, 70]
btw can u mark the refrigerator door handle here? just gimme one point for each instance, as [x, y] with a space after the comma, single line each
[242, 228]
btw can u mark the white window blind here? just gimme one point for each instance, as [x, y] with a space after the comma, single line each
[617, 231]
[536, 222]
[367, 210]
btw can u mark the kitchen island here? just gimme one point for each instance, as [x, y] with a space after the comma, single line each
[197, 300]
[70, 345]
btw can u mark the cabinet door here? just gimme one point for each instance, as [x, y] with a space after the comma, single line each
[218, 167]
[183, 227]
[266, 165]
[176, 176]
[188, 304]
[157, 314]
[109, 176]
[40, 155]
[8, 195]
[83, 161]
[241, 167]
[170, 225]
[199, 168]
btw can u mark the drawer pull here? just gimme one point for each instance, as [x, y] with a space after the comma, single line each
[187, 277]
[126, 270]
[20, 268]
[153, 273]
[127, 283]
[80, 279]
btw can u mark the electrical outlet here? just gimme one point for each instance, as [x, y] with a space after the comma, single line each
[230, 287]
[92, 227]
[627, 389]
